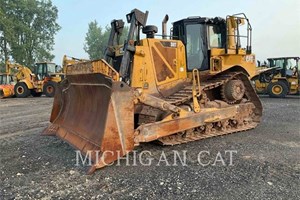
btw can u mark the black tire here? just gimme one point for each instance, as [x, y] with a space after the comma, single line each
[21, 90]
[49, 88]
[36, 94]
[278, 89]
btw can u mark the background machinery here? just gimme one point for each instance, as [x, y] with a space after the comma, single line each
[69, 60]
[35, 84]
[6, 85]
[7, 81]
[191, 86]
[282, 78]
[44, 80]
[50, 75]
[51, 79]
[11, 79]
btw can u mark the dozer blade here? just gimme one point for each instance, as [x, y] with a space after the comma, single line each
[95, 115]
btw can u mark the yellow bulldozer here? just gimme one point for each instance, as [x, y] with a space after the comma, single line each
[69, 60]
[280, 78]
[186, 86]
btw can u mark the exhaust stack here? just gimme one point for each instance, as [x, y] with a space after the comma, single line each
[164, 27]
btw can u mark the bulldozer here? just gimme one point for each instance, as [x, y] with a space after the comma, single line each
[282, 78]
[69, 60]
[189, 85]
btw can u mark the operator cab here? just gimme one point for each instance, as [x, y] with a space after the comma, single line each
[44, 69]
[200, 35]
[289, 66]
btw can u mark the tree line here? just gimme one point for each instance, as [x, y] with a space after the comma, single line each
[27, 30]
[28, 27]
[97, 38]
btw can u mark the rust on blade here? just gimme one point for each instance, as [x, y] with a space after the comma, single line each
[95, 66]
[94, 113]
[51, 130]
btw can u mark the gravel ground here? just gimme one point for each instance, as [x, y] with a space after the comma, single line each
[265, 161]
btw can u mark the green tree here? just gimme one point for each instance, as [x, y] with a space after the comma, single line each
[94, 43]
[27, 30]
[96, 40]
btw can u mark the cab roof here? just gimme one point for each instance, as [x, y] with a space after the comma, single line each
[202, 20]
[280, 58]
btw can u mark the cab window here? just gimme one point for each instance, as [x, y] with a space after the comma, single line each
[291, 63]
[215, 36]
[39, 69]
[51, 68]
[195, 46]
[278, 63]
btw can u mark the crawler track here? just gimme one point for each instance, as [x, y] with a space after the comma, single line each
[247, 118]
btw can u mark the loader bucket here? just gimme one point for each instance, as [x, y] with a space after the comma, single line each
[6, 91]
[95, 115]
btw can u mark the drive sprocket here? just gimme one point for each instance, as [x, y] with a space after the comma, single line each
[233, 91]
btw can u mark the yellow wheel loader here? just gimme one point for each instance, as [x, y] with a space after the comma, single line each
[44, 80]
[190, 85]
[48, 74]
[282, 78]
[16, 83]
[29, 83]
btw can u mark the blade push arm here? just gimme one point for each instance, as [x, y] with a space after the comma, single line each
[114, 38]
[137, 19]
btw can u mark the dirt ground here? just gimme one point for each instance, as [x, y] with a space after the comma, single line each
[266, 164]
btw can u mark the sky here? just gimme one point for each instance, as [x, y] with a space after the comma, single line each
[275, 23]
